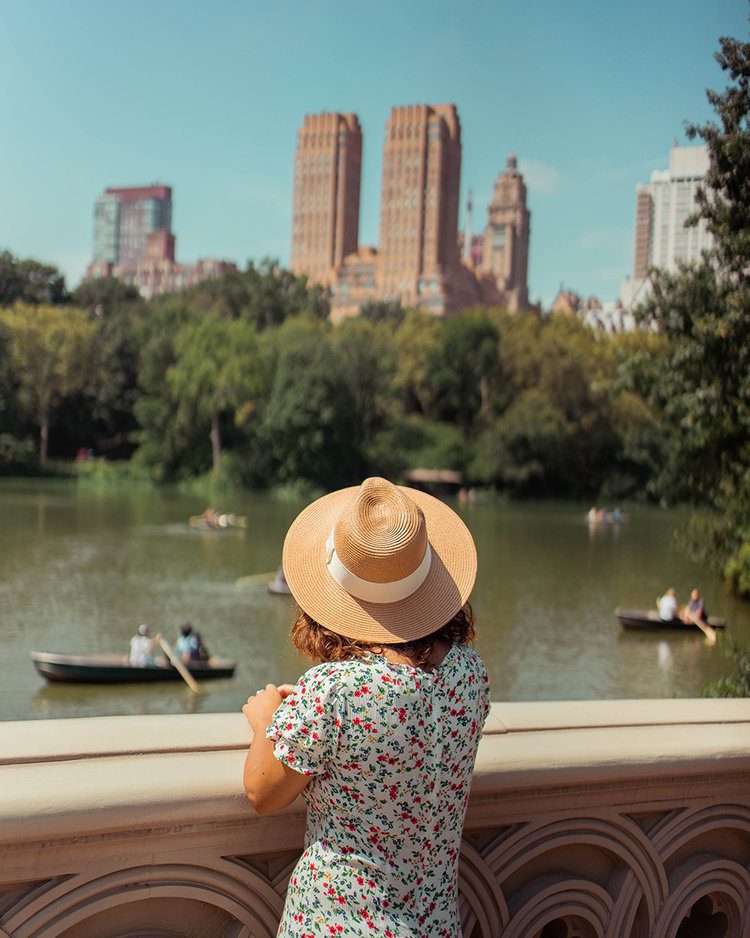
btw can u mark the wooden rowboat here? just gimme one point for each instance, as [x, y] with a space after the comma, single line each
[218, 522]
[114, 669]
[649, 619]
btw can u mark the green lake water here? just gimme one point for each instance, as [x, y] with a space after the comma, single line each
[81, 569]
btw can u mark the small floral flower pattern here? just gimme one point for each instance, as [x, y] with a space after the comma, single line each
[391, 749]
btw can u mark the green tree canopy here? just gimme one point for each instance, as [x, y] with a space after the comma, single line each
[414, 341]
[264, 295]
[390, 311]
[218, 371]
[365, 355]
[51, 350]
[102, 296]
[523, 449]
[29, 281]
[463, 369]
[724, 200]
[311, 423]
[164, 447]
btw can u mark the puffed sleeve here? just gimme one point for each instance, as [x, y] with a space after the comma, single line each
[306, 727]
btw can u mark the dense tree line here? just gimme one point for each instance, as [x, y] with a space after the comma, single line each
[245, 377]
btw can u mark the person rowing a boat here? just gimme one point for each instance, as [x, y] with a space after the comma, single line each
[142, 648]
[188, 643]
[695, 609]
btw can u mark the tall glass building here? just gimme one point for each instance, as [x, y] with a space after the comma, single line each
[125, 221]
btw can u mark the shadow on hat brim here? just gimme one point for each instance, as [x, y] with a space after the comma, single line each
[445, 589]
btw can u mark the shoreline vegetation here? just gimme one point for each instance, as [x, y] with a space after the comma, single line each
[98, 472]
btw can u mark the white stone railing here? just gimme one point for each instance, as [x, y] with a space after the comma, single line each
[625, 819]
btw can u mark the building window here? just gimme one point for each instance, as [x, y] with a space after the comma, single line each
[498, 238]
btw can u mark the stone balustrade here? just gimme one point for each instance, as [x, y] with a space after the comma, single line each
[624, 819]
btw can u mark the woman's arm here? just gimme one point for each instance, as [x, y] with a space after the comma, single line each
[269, 784]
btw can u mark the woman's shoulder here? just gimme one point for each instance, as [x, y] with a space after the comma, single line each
[331, 674]
[467, 660]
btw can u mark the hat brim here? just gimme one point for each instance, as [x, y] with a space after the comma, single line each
[444, 591]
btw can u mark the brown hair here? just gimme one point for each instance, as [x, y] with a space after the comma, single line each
[316, 642]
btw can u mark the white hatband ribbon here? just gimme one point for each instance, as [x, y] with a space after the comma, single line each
[371, 592]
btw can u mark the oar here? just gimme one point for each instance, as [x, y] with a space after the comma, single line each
[708, 630]
[254, 578]
[186, 676]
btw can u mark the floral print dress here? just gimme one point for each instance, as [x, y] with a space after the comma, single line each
[391, 749]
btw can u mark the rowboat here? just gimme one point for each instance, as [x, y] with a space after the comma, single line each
[114, 669]
[649, 619]
[217, 522]
[278, 585]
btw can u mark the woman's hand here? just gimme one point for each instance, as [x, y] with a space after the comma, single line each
[261, 706]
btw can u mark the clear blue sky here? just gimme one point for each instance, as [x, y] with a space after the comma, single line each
[207, 98]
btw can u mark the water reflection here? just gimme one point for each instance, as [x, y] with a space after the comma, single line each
[665, 656]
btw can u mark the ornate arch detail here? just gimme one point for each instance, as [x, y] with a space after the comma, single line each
[626, 907]
[567, 898]
[664, 822]
[622, 838]
[481, 901]
[693, 824]
[725, 882]
[277, 876]
[235, 889]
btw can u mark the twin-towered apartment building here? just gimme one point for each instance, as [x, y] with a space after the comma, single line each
[418, 261]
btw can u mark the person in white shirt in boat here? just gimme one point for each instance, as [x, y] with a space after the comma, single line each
[668, 606]
[142, 648]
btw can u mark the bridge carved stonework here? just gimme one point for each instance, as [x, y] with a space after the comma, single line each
[617, 819]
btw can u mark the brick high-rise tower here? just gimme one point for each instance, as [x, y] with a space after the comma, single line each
[506, 239]
[325, 213]
[419, 204]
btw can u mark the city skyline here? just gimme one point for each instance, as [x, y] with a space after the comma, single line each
[209, 103]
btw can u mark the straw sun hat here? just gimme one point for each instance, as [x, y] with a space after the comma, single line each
[379, 562]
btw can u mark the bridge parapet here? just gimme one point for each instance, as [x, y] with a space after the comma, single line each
[608, 819]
